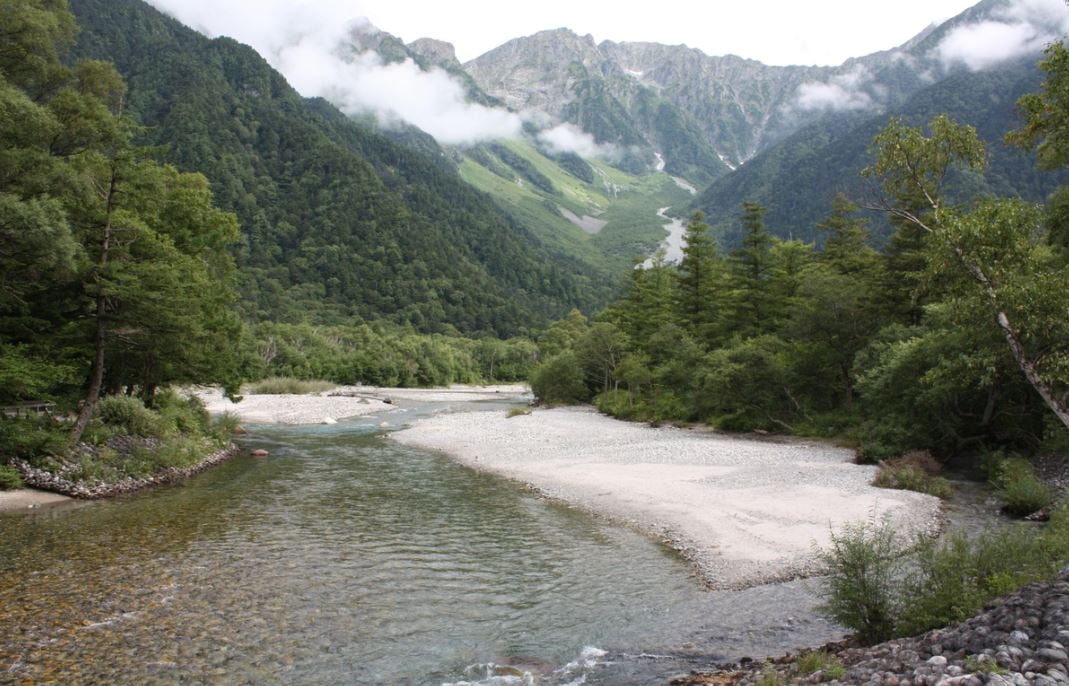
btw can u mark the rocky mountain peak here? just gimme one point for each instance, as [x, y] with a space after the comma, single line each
[437, 52]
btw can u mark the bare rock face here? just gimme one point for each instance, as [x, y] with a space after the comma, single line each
[436, 52]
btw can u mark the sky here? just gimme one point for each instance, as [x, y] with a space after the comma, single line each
[301, 39]
[779, 32]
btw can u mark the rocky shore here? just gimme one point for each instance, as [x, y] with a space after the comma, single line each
[1020, 639]
[59, 483]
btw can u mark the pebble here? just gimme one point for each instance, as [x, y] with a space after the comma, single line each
[1020, 640]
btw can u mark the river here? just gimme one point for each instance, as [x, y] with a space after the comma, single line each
[346, 558]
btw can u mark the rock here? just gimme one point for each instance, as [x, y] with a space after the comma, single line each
[937, 661]
[259, 452]
[1052, 655]
[330, 420]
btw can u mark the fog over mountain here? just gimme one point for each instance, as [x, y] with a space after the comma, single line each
[322, 50]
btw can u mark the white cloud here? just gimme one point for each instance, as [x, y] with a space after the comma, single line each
[845, 91]
[570, 138]
[309, 46]
[1020, 29]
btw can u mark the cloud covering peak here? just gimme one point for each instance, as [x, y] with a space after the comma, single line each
[311, 45]
[1021, 28]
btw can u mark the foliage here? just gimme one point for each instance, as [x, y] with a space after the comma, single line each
[813, 661]
[517, 411]
[10, 478]
[879, 593]
[31, 437]
[902, 474]
[337, 220]
[861, 588]
[559, 380]
[282, 385]
[130, 416]
[1017, 486]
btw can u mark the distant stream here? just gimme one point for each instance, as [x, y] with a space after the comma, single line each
[345, 558]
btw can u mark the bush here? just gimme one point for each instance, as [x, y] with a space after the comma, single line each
[868, 590]
[32, 437]
[226, 425]
[862, 577]
[559, 380]
[914, 471]
[1016, 484]
[182, 415]
[130, 416]
[284, 385]
[517, 411]
[10, 478]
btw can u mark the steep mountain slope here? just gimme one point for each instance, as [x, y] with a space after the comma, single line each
[798, 178]
[338, 220]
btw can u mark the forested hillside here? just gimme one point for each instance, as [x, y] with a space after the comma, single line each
[798, 178]
[337, 220]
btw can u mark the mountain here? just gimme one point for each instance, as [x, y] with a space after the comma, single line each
[338, 220]
[798, 178]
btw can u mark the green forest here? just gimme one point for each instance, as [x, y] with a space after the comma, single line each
[954, 338]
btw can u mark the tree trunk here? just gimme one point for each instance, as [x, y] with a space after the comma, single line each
[96, 376]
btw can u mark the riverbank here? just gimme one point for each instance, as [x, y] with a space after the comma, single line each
[60, 482]
[746, 512]
[343, 402]
[29, 498]
[1020, 639]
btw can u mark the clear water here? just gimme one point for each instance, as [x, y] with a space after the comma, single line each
[342, 558]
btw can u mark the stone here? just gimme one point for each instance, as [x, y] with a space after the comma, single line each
[937, 661]
[1052, 655]
[259, 452]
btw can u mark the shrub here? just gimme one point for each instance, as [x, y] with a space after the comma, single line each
[32, 437]
[285, 385]
[9, 478]
[1016, 484]
[226, 425]
[914, 471]
[182, 415]
[861, 584]
[130, 416]
[559, 380]
[517, 411]
[867, 589]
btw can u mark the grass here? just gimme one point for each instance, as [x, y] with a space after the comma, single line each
[517, 411]
[285, 385]
[815, 661]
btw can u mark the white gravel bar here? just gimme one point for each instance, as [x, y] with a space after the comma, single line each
[745, 511]
[343, 402]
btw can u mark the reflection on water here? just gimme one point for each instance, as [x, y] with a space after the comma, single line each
[341, 558]
[345, 558]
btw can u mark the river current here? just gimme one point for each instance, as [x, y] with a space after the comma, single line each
[346, 558]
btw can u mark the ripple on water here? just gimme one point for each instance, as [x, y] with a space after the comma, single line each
[342, 558]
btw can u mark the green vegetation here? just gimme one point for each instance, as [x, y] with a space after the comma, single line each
[10, 478]
[1017, 485]
[914, 471]
[517, 412]
[952, 341]
[282, 385]
[337, 221]
[879, 593]
[811, 662]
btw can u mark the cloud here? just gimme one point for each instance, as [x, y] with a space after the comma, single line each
[570, 138]
[1019, 29]
[845, 91]
[311, 45]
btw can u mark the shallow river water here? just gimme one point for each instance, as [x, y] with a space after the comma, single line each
[345, 558]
